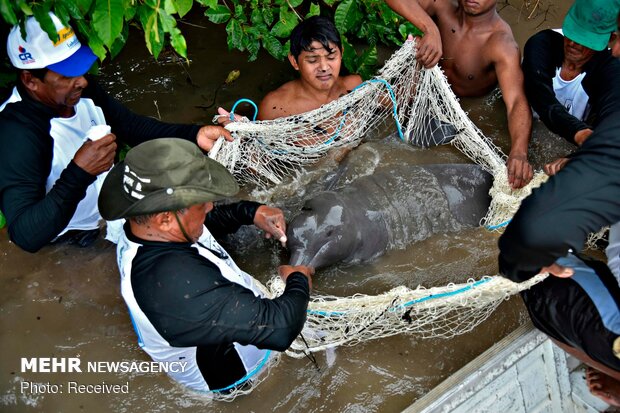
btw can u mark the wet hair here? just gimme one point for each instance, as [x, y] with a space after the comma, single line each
[316, 28]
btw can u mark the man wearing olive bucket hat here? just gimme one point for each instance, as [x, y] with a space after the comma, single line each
[187, 298]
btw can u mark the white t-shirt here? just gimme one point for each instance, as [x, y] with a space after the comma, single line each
[69, 136]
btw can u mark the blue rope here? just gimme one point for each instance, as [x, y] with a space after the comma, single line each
[232, 111]
[326, 313]
[441, 295]
[493, 227]
[394, 104]
[409, 303]
[247, 376]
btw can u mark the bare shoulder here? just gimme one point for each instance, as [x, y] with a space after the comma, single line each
[439, 8]
[275, 104]
[502, 44]
[350, 82]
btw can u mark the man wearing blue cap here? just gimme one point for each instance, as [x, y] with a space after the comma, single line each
[571, 78]
[51, 164]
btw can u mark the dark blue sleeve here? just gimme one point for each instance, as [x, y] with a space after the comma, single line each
[191, 304]
[582, 198]
[541, 56]
[228, 218]
[35, 217]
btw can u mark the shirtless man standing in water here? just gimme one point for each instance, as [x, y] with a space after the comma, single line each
[316, 53]
[477, 51]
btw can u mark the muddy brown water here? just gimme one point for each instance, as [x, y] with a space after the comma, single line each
[65, 301]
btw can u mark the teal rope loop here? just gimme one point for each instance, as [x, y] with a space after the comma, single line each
[232, 111]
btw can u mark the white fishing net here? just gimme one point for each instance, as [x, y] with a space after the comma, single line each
[445, 312]
[426, 113]
[419, 101]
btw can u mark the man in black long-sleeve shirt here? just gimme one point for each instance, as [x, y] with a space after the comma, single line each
[188, 300]
[50, 174]
[571, 78]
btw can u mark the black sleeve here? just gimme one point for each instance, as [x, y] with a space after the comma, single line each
[582, 198]
[35, 218]
[191, 304]
[227, 219]
[131, 128]
[541, 56]
[602, 85]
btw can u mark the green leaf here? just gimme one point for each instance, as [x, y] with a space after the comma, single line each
[153, 30]
[272, 45]
[285, 25]
[240, 14]
[268, 15]
[286, 47]
[71, 7]
[256, 17]
[170, 7]
[349, 57]
[219, 14]
[41, 13]
[315, 10]
[61, 12]
[94, 42]
[235, 34]
[108, 20]
[211, 4]
[295, 3]
[330, 2]
[252, 45]
[183, 6]
[347, 16]
[6, 10]
[120, 42]
[130, 10]
[367, 61]
[178, 42]
[168, 22]
[24, 7]
[84, 6]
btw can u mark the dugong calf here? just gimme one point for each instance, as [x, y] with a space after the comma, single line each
[391, 208]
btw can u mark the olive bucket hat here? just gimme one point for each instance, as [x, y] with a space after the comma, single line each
[165, 174]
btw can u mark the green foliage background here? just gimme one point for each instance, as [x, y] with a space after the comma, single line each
[251, 25]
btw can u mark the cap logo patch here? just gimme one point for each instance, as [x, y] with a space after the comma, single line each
[25, 56]
[132, 183]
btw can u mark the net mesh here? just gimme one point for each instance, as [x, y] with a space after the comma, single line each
[426, 113]
[419, 101]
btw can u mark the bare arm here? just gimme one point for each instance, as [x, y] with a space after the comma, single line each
[420, 13]
[510, 78]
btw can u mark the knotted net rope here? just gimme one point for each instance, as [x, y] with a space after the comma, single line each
[426, 112]
[420, 102]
